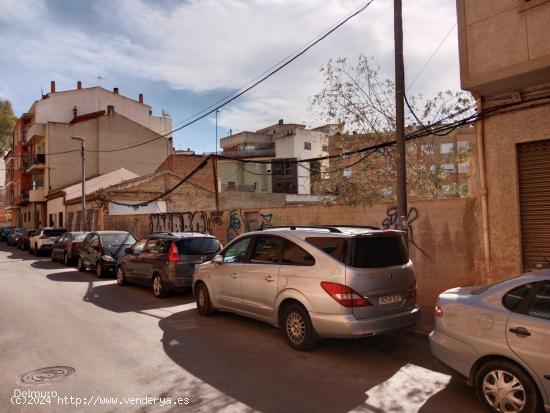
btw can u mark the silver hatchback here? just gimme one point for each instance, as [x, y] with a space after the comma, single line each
[498, 336]
[314, 282]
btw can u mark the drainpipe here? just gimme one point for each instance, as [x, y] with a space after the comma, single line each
[483, 191]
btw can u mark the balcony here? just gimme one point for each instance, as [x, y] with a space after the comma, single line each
[251, 153]
[37, 162]
[234, 187]
[22, 198]
[37, 195]
[35, 131]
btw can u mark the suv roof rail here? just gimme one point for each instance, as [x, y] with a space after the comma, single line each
[331, 228]
[159, 233]
[174, 234]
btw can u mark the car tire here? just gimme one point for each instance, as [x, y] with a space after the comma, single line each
[121, 276]
[204, 305]
[66, 259]
[53, 256]
[99, 270]
[504, 372]
[159, 288]
[297, 328]
[80, 265]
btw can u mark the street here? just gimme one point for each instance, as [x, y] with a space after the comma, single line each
[125, 345]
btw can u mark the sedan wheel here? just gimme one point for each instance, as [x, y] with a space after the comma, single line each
[120, 276]
[66, 259]
[158, 287]
[504, 387]
[204, 305]
[80, 265]
[53, 256]
[298, 329]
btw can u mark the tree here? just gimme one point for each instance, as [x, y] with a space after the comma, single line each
[7, 122]
[357, 98]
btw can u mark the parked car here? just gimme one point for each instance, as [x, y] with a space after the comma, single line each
[13, 237]
[23, 242]
[4, 232]
[43, 239]
[66, 247]
[497, 336]
[101, 251]
[166, 261]
[314, 282]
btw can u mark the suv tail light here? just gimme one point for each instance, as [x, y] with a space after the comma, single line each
[173, 253]
[345, 295]
[412, 292]
[438, 311]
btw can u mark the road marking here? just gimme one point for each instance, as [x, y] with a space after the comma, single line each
[405, 392]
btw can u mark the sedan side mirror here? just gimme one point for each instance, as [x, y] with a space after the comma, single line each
[128, 251]
[218, 259]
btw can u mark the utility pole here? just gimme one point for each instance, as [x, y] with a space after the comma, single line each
[402, 223]
[83, 198]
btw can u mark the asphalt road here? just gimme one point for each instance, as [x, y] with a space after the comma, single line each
[123, 343]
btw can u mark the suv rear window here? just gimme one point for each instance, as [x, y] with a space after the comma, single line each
[198, 246]
[373, 251]
[54, 232]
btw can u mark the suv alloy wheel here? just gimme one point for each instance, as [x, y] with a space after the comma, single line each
[297, 328]
[159, 290]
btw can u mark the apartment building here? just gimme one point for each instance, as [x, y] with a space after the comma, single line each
[505, 63]
[281, 143]
[45, 158]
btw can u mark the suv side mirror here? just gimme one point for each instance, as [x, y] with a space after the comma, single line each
[128, 251]
[218, 259]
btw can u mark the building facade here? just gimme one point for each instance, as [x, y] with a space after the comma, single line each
[505, 63]
[45, 158]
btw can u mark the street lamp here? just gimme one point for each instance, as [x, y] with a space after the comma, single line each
[83, 199]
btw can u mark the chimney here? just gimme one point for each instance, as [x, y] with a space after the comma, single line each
[75, 111]
[79, 85]
[280, 122]
[52, 86]
[115, 90]
[110, 109]
[141, 98]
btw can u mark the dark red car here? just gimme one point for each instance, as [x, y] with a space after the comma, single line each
[65, 247]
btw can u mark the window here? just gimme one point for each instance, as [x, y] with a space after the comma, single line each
[376, 251]
[198, 246]
[348, 172]
[94, 241]
[463, 167]
[540, 305]
[267, 250]
[463, 146]
[139, 246]
[427, 149]
[60, 219]
[325, 148]
[117, 239]
[447, 147]
[156, 246]
[54, 232]
[448, 167]
[333, 246]
[512, 299]
[307, 146]
[237, 251]
[50, 220]
[295, 255]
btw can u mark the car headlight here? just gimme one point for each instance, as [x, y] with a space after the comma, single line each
[107, 258]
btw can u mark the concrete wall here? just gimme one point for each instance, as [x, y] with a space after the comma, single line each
[58, 107]
[502, 134]
[503, 44]
[445, 247]
[104, 133]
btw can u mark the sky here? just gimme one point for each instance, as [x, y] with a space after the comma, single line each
[184, 55]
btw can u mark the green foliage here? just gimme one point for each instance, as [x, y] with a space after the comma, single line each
[363, 104]
[7, 122]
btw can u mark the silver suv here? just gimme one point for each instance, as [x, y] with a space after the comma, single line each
[313, 281]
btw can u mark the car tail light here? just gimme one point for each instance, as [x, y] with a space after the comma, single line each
[173, 253]
[438, 311]
[412, 292]
[345, 295]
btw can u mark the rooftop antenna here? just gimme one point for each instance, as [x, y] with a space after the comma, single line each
[99, 78]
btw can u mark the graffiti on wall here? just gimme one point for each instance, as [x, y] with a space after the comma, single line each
[249, 221]
[390, 222]
[200, 221]
[234, 226]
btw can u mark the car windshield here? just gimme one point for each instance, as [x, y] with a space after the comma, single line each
[198, 246]
[78, 236]
[377, 251]
[54, 232]
[117, 239]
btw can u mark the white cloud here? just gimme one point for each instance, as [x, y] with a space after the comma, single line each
[211, 45]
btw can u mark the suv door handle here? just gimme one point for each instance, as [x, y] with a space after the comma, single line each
[520, 331]
[269, 278]
[235, 275]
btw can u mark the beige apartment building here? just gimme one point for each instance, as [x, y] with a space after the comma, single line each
[505, 62]
[45, 158]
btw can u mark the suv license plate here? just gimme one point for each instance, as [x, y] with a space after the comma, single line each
[389, 299]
